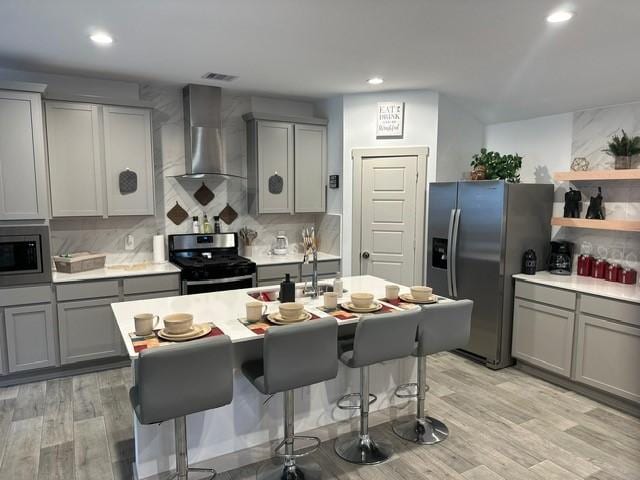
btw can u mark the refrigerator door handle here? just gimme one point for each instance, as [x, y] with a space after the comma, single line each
[453, 255]
[452, 221]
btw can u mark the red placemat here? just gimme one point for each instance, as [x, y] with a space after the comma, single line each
[399, 303]
[153, 340]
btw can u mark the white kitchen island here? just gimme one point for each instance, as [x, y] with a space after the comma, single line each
[242, 432]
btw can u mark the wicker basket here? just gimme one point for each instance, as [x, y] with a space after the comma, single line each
[80, 262]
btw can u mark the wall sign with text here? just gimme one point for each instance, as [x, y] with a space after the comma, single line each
[390, 120]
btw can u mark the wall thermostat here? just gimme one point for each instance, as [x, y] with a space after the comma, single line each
[334, 181]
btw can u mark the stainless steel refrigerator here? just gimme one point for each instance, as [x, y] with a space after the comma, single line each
[477, 234]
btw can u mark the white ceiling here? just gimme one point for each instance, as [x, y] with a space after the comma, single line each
[500, 58]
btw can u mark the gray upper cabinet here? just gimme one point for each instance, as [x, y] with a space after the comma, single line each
[287, 164]
[89, 147]
[23, 190]
[88, 330]
[75, 159]
[310, 155]
[275, 167]
[30, 337]
[127, 148]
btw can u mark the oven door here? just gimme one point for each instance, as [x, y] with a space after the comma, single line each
[189, 287]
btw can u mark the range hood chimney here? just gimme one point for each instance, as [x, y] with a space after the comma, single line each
[203, 149]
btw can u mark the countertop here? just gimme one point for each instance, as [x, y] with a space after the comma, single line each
[116, 271]
[592, 286]
[262, 259]
[224, 308]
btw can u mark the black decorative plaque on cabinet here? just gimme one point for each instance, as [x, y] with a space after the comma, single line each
[128, 181]
[276, 184]
[204, 195]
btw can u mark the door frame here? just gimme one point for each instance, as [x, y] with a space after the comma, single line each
[358, 155]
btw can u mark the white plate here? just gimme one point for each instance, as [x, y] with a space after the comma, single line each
[197, 331]
[408, 298]
[278, 320]
[352, 308]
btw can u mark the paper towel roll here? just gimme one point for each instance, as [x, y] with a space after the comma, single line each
[158, 249]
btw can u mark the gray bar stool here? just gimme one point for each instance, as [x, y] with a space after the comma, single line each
[442, 327]
[174, 381]
[378, 338]
[294, 356]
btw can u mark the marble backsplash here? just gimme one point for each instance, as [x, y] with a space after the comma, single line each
[107, 235]
[592, 129]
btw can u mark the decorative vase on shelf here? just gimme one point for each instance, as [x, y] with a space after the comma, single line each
[479, 173]
[596, 209]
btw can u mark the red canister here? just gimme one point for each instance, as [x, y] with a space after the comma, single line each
[613, 270]
[585, 265]
[628, 276]
[599, 268]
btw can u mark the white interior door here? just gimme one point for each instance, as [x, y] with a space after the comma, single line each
[388, 225]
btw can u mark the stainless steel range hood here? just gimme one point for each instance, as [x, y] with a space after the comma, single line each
[203, 148]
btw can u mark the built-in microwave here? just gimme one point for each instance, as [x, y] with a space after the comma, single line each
[24, 255]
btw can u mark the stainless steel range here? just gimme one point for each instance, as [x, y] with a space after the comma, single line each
[210, 262]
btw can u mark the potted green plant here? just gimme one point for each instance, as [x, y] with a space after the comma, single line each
[622, 148]
[496, 166]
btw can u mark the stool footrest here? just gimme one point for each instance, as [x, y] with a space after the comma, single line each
[407, 386]
[342, 406]
[212, 473]
[304, 451]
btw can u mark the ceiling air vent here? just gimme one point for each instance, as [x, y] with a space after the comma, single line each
[221, 77]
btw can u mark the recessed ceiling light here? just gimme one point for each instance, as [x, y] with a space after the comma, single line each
[101, 38]
[560, 16]
[375, 81]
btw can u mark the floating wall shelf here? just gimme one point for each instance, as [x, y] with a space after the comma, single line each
[618, 225]
[592, 175]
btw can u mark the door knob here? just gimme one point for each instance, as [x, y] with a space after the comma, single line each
[365, 254]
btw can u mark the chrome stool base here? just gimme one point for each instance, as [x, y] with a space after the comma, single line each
[362, 450]
[425, 431]
[297, 471]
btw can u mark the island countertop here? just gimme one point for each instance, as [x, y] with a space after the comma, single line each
[225, 308]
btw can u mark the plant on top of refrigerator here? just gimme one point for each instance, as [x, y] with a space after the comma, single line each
[496, 166]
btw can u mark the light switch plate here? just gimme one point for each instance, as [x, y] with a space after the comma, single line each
[129, 242]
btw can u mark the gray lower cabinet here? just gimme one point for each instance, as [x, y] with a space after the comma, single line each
[88, 330]
[30, 337]
[543, 336]
[608, 356]
[274, 274]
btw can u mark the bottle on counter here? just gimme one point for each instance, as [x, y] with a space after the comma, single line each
[216, 225]
[206, 226]
[287, 290]
[337, 285]
[196, 224]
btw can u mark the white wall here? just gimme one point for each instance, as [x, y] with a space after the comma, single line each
[460, 135]
[544, 143]
[282, 106]
[359, 131]
[332, 109]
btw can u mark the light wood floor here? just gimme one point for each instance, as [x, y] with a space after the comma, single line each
[504, 425]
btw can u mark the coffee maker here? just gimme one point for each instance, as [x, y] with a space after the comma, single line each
[561, 258]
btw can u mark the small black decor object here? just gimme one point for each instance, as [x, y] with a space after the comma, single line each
[596, 209]
[276, 184]
[177, 214]
[128, 181]
[529, 262]
[204, 195]
[572, 201]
